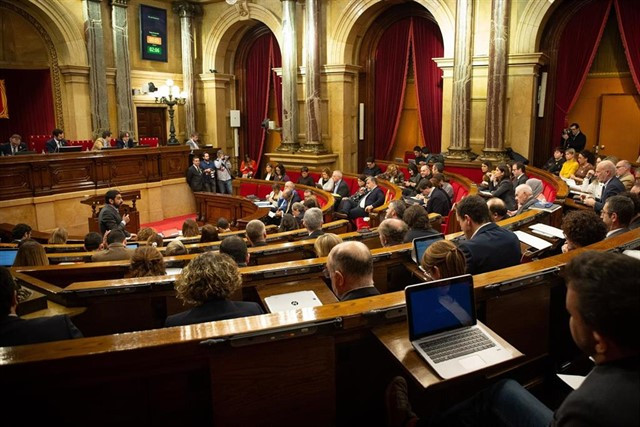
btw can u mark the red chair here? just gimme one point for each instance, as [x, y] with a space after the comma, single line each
[361, 224]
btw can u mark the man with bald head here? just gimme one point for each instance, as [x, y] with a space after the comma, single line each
[339, 186]
[623, 172]
[524, 197]
[392, 231]
[606, 174]
[350, 267]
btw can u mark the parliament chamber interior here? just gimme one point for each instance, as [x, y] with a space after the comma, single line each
[302, 162]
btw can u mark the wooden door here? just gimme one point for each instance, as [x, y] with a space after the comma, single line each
[619, 129]
[152, 122]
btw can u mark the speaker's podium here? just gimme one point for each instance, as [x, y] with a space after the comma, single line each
[97, 203]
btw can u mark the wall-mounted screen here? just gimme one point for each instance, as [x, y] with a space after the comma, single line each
[153, 33]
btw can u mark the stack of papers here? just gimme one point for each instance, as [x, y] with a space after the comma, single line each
[533, 241]
[547, 231]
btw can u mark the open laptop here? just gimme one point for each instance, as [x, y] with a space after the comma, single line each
[420, 244]
[292, 301]
[70, 148]
[443, 328]
[7, 256]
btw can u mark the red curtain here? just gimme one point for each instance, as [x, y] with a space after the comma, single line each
[427, 44]
[30, 102]
[577, 49]
[628, 12]
[392, 55]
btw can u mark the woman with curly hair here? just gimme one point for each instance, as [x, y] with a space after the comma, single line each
[146, 261]
[582, 228]
[206, 283]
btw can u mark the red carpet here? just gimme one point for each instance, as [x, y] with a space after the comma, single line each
[169, 224]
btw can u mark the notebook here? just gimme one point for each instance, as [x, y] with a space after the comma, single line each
[292, 301]
[443, 328]
[420, 244]
[7, 256]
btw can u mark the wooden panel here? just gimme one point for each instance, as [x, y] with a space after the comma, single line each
[128, 170]
[619, 130]
[16, 181]
[152, 122]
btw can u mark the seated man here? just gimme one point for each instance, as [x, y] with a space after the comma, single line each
[487, 247]
[518, 175]
[391, 232]
[236, 248]
[304, 177]
[554, 164]
[350, 267]
[290, 185]
[606, 174]
[17, 331]
[368, 202]
[371, 169]
[20, 232]
[604, 309]
[256, 233]
[525, 199]
[53, 145]
[116, 248]
[617, 214]
[313, 222]
[396, 209]
[435, 198]
[582, 228]
[14, 146]
[339, 186]
[497, 208]
[623, 172]
[92, 241]
[223, 225]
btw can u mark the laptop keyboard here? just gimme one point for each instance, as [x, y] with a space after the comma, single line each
[457, 344]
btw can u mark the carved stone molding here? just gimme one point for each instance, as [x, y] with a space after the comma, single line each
[186, 9]
[53, 58]
[121, 3]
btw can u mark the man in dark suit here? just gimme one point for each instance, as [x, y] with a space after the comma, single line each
[312, 221]
[236, 248]
[573, 138]
[436, 199]
[124, 141]
[372, 169]
[487, 246]
[53, 145]
[373, 199]
[109, 217]
[208, 281]
[209, 169]
[339, 186]
[17, 331]
[525, 199]
[519, 176]
[350, 267]
[116, 250]
[606, 174]
[616, 215]
[256, 233]
[195, 179]
[14, 146]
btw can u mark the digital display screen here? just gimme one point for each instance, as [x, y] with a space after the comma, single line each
[153, 33]
[7, 256]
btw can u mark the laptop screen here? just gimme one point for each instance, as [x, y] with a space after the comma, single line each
[422, 243]
[439, 306]
[132, 245]
[7, 256]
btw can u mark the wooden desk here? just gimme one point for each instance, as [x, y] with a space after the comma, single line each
[395, 337]
[318, 286]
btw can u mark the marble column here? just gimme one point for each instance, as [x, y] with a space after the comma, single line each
[187, 10]
[312, 81]
[120, 30]
[289, 78]
[459, 147]
[97, 72]
[497, 82]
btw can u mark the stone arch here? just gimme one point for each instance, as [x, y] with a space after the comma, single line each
[226, 33]
[358, 16]
[531, 24]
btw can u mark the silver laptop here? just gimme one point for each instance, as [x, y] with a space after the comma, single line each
[420, 244]
[444, 331]
[292, 301]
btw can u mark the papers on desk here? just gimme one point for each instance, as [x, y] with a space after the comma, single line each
[570, 182]
[271, 214]
[292, 301]
[533, 241]
[547, 231]
[262, 204]
[573, 381]
[174, 270]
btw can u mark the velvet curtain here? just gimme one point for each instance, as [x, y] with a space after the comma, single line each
[30, 102]
[392, 56]
[577, 49]
[628, 12]
[427, 44]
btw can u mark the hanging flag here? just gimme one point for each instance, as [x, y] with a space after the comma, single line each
[4, 108]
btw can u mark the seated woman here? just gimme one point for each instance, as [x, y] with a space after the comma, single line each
[190, 228]
[418, 222]
[325, 243]
[144, 234]
[209, 233]
[586, 159]
[570, 166]
[146, 261]
[176, 247]
[155, 240]
[275, 194]
[394, 175]
[206, 283]
[103, 141]
[537, 187]
[248, 167]
[351, 202]
[582, 228]
[501, 186]
[268, 172]
[325, 182]
[443, 259]
[486, 168]
[281, 173]
[59, 236]
[412, 182]
[30, 253]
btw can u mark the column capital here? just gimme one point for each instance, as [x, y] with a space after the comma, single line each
[186, 9]
[120, 3]
[95, 1]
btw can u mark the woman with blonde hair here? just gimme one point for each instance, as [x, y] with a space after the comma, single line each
[207, 282]
[144, 234]
[146, 261]
[155, 240]
[325, 243]
[190, 228]
[59, 236]
[394, 175]
[443, 259]
[30, 253]
[176, 247]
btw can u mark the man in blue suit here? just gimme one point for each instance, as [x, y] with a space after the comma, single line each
[373, 199]
[606, 174]
[487, 246]
[53, 145]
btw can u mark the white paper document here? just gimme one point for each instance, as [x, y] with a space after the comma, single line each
[548, 230]
[292, 301]
[573, 381]
[533, 241]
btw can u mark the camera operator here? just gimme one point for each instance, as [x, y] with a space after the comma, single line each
[573, 138]
[223, 173]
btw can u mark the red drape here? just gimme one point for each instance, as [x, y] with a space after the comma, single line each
[392, 55]
[427, 44]
[30, 101]
[577, 49]
[628, 12]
